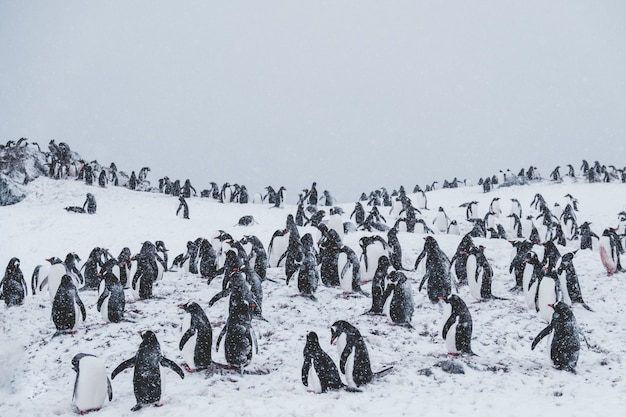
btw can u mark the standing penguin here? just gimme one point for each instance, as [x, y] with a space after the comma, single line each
[277, 247]
[258, 256]
[66, 305]
[533, 273]
[349, 270]
[308, 275]
[90, 202]
[395, 256]
[437, 270]
[182, 205]
[111, 302]
[319, 372]
[460, 259]
[441, 220]
[565, 345]
[571, 279]
[92, 385]
[399, 305]
[13, 287]
[586, 236]
[457, 331]
[378, 286]
[354, 362]
[197, 338]
[147, 375]
[372, 249]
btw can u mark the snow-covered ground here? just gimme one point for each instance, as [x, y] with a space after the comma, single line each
[506, 378]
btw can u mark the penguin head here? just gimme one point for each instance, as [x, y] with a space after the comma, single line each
[337, 329]
[54, 260]
[562, 312]
[13, 265]
[76, 360]
[190, 307]
[312, 339]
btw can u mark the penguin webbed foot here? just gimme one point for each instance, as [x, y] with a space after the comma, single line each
[137, 407]
[351, 389]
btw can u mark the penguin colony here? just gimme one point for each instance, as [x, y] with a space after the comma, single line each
[546, 279]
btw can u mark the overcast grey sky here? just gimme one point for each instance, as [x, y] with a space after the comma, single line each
[353, 94]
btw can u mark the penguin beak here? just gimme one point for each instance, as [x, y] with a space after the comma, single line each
[181, 306]
[551, 305]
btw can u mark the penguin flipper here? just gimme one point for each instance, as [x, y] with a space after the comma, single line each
[81, 305]
[186, 336]
[101, 299]
[168, 363]
[446, 327]
[109, 389]
[306, 366]
[129, 363]
[541, 335]
[384, 372]
[219, 338]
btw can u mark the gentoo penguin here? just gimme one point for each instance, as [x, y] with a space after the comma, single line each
[354, 362]
[494, 207]
[441, 220]
[586, 236]
[516, 208]
[437, 276]
[533, 273]
[330, 246]
[395, 255]
[147, 271]
[258, 256]
[147, 375]
[565, 346]
[479, 274]
[277, 247]
[518, 263]
[460, 259]
[66, 306]
[240, 338]
[111, 301]
[372, 249]
[197, 337]
[470, 212]
[92, 266]
[610, 250]
[92, 385]
[349, 270]
[183, 208]
[571, 279]
[378, 286]
[398, 296]
[13, 287]
[457, 331]
[319, 372]
[308, 275]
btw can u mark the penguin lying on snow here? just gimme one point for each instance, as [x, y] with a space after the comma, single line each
[354, 359]
[147, 376]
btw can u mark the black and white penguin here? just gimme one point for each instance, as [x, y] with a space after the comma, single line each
[494, 207]
[92, 267]
[308, 275]
[239, 337]
[319, 372]
[349, 270]
[548, 293]
[441, 220]
[437, 276]
[91, 204]
[399, 305]
[533, 273]
[258, 256]
[480, 274]
[207, 265]
[277, 247]
[197, 338]
[460, 259]
[160, 248]
[13, 287]
[92, 385]
[111, 302]
[330, 248]
[586, 235]
[148, 363]
[395, 255]
[565, 346]
[470, 211]
[571, 279]
[378, 286]
[66, 307]
[518, 263]
[354, 362]
[372, 249]
[457, 331]
[146, 273]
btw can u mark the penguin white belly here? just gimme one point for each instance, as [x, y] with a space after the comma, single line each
[454, 230]
[374, 252]
[341, 342]
[474, 280]
[134, 289]
[101, 287]
[104, 310]
[565, 297]
[336, 223]
[441, 222]
[345, 272]
[79, 316]
[279, 246]
[495, 208]
[529, 293]
[91, 388]
[546, 295]
[160, 271]
[257, 199]
[421, 201]
[606, 255]
[315, 384]
[451, 339]
[387, 307]
[55, 274]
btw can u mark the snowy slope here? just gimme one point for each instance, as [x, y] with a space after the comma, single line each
[506, 378]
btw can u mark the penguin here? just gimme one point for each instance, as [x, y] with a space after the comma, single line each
[437, 270]
[395, 256]
[518, 263]
[572, 285]
[398, 296]
[197, 339]
[516, 208]
[441, 220]
[372, 249]
[453, 228]
[90, 202]
[146, 273]
[358, 213]
[124, 263]
[239, 337]
[460, 259]
[308, 275]
[378, 286]
[163, 260]
[13, 287]
[565, 346]
[533, 273]
[258, 256]
[586, 235]
[277, 247]
[330, 248]
[354, 362]
[92, 385]
[66, 306]
[349, 270]
[182, 205]
[147, 375]
[92, 266]
[457, 330]
[610, 250]
[470, 212]
[52, 278]
[494, 207]
[319, 372]
[516, 225]
[111, 302]
[334, 221]
[421, 200]
[548, 293]
[208, 260]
